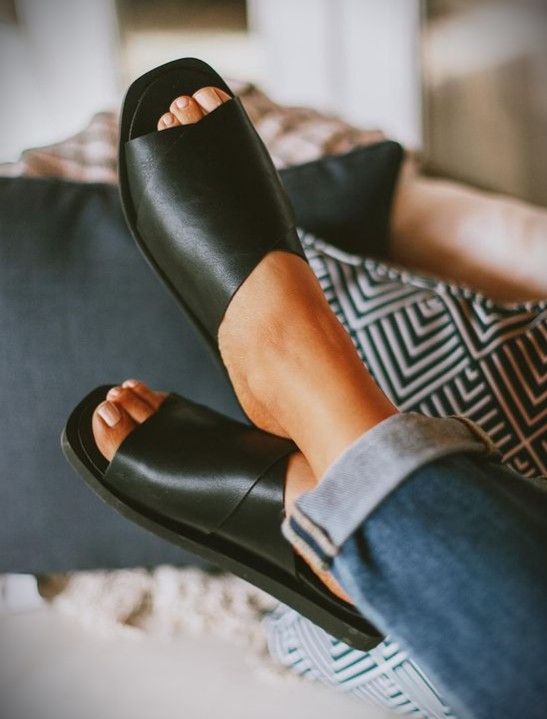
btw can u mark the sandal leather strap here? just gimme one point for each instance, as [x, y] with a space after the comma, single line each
[192, 465]
[210, 205]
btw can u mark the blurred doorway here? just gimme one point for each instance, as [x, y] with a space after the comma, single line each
[485, 94]
[155, 31]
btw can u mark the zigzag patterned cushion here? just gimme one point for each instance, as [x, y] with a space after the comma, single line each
[441, 349]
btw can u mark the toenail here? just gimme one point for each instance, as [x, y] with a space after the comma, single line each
[131, 383]
[109, 413]
[113, 392]
[208, 99]
[182, 102]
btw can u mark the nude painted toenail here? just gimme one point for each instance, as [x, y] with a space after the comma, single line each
[208, 99]
[109, 413]
[182, 102]
[131, 383]
[113, 392]
[167, 120]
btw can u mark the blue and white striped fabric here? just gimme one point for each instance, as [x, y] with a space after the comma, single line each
[441, 350]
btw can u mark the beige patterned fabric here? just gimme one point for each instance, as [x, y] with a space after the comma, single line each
[292, 136]
[89, 156]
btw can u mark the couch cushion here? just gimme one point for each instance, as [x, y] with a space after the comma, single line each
[80, 307]
[346, 199]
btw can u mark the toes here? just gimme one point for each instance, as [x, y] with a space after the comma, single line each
[154, 399]
[125, 407]
[186, 110]
[111, 425]
[167, 120]
[136, 407]
[209, 98]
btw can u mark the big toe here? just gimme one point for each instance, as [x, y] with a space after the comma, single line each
[111, 425]
[209, 98]
[125, 407]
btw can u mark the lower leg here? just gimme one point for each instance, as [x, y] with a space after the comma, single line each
[290, 359]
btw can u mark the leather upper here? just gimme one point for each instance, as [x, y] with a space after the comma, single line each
[209, 206]
[194, 466]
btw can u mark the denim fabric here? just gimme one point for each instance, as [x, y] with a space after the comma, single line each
[452, 565]
[368, 471]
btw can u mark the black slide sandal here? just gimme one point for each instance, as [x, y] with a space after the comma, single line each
[216, 490]
[203, 202]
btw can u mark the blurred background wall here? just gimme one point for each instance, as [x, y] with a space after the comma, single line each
[484, 75]
[464, 81]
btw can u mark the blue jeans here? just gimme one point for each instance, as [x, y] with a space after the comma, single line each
[450, 558]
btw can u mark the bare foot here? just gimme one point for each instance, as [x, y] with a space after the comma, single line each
[124, 408]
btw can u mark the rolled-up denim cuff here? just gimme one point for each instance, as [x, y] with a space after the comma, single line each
[368, 471]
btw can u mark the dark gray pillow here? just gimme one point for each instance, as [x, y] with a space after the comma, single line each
[79, 307]
[346, 199]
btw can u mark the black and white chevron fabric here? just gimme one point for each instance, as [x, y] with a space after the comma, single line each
[438, 349]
